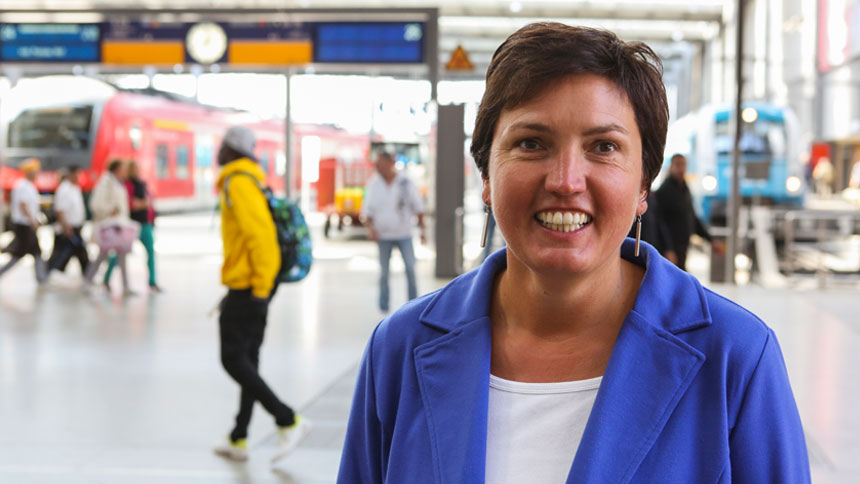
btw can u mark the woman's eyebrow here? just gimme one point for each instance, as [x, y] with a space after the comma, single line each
[540, 127]
[606, 129]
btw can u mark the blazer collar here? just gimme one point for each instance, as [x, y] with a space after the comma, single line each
[668, 298]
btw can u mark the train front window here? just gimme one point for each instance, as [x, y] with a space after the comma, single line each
[758, 138]
[65, 127]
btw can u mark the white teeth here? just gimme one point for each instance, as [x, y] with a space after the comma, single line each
[563, 221]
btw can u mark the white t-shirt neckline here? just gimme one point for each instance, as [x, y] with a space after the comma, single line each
[544, 388]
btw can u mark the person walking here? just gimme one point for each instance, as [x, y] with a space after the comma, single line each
[114, 232]
[70, 212]
[675, 205]
[390, 204]
[25, 211]
[142, 212]
[251, 264]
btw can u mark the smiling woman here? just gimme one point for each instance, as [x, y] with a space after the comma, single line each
[565, 357]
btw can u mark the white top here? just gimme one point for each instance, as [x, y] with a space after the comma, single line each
[69, 200]
[534, 429]
[392, 206]
[108, 196]
[24, 192]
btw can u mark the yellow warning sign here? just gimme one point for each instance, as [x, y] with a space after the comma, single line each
[459, 61]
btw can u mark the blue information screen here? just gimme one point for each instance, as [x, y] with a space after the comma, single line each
[369, 42]
[50, 42]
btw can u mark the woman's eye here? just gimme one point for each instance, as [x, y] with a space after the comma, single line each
[605, 147]
[529, 144]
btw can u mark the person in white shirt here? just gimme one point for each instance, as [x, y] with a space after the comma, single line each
[390, 204]
[25, 222]
[110, 208]
[71, 213]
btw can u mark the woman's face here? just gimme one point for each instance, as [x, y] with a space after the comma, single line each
[565, 178]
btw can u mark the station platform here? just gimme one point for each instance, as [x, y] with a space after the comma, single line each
[96, 388]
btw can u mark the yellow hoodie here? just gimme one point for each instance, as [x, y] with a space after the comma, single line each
[252, 258]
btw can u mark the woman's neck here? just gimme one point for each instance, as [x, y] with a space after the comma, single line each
[559, 327]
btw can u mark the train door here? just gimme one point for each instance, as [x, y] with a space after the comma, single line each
[174, 163]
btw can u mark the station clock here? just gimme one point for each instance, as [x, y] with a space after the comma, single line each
[206, 42]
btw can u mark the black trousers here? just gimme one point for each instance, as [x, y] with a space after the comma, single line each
[65, 248]
[243, 325]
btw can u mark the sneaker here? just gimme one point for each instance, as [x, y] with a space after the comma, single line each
[237, 450]
[289, 437]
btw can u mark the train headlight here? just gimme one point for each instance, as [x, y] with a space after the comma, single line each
[709, 183]
[749, 115]
[793, 184]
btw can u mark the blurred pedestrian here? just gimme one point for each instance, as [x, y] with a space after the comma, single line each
[113, 230]
[25, 221]
[142, 212]
[676, 210]
[391, 203]
[70, 211]
[823, 176]
[251, 264]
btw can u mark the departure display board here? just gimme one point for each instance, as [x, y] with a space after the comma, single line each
[30, 42]
[369, 42]
[137, 43]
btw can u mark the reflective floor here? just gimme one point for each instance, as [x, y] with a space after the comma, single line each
[95, 388]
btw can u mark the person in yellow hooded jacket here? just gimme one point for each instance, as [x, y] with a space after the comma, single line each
[251, 264]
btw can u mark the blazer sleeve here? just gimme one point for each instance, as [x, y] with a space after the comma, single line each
[362, 459]
[767, 442]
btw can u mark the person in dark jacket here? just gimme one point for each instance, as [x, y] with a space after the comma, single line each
[675, 208]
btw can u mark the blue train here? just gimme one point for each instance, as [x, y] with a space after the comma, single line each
[771, 171]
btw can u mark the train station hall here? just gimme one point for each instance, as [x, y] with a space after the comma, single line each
[429, 241]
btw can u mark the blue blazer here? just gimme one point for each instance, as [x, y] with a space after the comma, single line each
[695, 391]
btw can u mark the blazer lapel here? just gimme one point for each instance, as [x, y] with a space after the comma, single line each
[648, 372]
[454, 376]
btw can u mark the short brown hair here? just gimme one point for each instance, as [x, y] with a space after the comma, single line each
[541, 53]
[115, 164]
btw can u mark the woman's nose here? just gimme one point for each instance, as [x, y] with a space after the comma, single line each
[567, 173]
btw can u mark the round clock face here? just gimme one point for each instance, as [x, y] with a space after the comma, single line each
[206, 42]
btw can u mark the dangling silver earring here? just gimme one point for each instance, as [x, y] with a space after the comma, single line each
[487, 215]
[638, 234]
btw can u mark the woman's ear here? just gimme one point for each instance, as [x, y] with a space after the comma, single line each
[485, 191]
[642, 206]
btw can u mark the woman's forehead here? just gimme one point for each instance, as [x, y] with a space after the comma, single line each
[586, 98]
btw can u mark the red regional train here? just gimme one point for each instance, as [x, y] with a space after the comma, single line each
[174, 139]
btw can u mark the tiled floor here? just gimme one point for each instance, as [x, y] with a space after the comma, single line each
[99, 389]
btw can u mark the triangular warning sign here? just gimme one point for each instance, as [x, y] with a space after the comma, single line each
[459, 61]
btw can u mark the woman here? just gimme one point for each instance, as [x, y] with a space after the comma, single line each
[565, 357]
[143, 213]
[113, 231]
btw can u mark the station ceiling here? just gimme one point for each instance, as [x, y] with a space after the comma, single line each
[479, 26]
